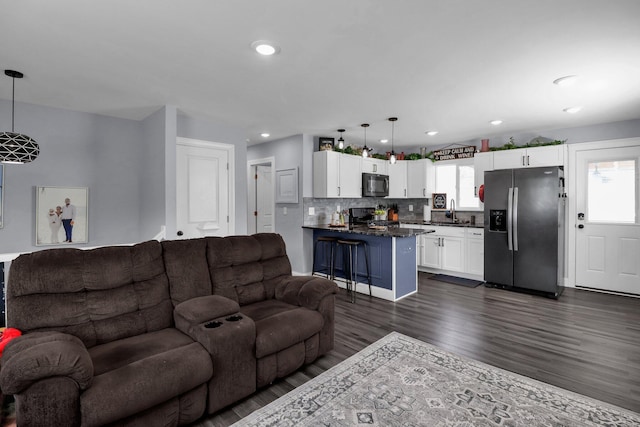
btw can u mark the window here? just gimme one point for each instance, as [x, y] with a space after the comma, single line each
[456, 178]
[612, 191]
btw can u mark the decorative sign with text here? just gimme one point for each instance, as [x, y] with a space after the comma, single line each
[455, 153]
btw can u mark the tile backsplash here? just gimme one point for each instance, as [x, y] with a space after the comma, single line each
[324, 208]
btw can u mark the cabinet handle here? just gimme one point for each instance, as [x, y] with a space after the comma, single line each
[405, 192]
[528, 161]
[338, 190]
[442, 239]
[523, 164]
[475, 191]
[424, 192]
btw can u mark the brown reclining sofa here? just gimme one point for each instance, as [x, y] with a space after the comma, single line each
[159, 333]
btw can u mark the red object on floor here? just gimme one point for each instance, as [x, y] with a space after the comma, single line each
[7, 335]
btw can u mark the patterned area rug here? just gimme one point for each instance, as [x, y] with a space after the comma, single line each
[400, 381]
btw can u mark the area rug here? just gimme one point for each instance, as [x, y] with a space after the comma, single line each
[401, 381]
[469, 283]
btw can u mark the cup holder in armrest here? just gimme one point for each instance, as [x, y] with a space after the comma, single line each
[213, 324]
[234, 318]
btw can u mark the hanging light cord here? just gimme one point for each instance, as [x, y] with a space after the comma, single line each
[13, 103]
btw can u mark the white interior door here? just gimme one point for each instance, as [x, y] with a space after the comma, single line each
[202, 186]
[264, 199]
[608, 224]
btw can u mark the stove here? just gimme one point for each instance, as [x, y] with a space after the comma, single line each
[365, 216]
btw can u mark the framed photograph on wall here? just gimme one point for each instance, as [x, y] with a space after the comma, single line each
[61, 215]
[325, 143]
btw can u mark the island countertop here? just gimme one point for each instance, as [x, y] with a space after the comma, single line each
[389, 231]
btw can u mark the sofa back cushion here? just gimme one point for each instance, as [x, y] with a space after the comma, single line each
[98, 295]
[246, 268]
[242, 268]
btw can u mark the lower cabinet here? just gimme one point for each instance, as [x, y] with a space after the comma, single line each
[475, 252]
[444, 249]
[451, 250]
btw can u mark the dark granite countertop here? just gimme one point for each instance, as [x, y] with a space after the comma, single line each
[439, 224]
[389, 231]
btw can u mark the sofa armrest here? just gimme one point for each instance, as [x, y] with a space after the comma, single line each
[305, 291]
[192, 312]
[39, 355]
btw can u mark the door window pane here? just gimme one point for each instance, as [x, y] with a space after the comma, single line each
[612, 191]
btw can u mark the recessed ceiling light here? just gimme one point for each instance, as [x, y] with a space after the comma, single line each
[384, 141]
[496, 122]
[265, 47]
[265, 135]
[432, 132]
[572, 110]
[565, 81]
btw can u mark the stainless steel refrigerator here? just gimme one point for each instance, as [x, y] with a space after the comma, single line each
[524, 229]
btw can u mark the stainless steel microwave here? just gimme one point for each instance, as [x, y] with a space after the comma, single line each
[374, 185]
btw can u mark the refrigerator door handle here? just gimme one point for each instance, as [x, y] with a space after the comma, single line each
[510, 219]
[515, 219]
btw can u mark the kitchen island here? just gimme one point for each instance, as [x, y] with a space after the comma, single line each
[392, 258]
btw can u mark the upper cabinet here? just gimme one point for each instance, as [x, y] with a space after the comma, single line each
[551, 155]
[336, 175]
[398, 180]
[421, 178]
[378, 166]
[481, 162]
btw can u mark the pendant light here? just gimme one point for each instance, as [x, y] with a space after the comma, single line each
[340, 140]
[365, 149]
[392, 157]
[16, 147]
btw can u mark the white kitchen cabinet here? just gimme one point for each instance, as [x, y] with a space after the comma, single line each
[398, 179]
[481, 162]
[444, 249]
[336, 175]
[379, 166]
[421, 178]
[550, 155]
[475, 251]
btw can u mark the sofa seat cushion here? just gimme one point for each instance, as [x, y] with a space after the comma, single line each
[137, 373]
[280, 325]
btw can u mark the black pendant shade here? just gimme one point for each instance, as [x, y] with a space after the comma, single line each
[16, 147]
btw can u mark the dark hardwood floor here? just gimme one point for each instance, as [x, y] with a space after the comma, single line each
[585, 342]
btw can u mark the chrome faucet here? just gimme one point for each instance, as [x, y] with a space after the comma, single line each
[453, 210]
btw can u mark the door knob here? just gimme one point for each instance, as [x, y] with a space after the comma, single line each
[581, 226]
[179, 233]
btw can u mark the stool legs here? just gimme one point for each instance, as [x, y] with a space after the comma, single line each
[331, 268]
[350, 265]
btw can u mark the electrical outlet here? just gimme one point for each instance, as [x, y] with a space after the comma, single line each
[284, 210]
[312, 211]
[410, 208]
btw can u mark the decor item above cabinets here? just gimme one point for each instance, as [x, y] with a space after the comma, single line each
[336, 175]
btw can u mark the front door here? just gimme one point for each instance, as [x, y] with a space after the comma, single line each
[608, 224]
[202, 186]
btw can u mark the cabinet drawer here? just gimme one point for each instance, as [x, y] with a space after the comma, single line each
[448, 231]
[475, 233]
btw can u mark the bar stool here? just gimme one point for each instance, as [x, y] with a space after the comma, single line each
[350, 264]
[329, 244]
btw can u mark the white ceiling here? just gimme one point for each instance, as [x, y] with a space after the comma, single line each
[448, 65]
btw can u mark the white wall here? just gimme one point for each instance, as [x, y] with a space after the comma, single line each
[289, 153]
[126, 164]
